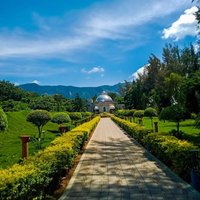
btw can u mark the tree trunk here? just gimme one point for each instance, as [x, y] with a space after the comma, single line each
[39, 136]
[151, 122]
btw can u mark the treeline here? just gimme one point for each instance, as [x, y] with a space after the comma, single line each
[13, 98]
[174, 79]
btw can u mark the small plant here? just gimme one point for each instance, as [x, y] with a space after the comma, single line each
[39, 118]
[3, 120]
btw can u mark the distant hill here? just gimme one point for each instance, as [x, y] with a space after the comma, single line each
[70, 91]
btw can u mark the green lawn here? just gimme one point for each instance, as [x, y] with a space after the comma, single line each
[191, 133]
[10, 143]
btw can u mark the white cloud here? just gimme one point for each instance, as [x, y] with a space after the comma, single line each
[59, 38]
[121, 19]
[93, 70]
[36, 82]
[16, 83]
[140, 71]
[184, 26]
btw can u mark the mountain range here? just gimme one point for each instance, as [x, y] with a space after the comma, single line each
[70, 91]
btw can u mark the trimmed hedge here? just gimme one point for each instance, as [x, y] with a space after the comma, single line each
[133, 129]
[173, 152]
[125, 113]
[36, 177]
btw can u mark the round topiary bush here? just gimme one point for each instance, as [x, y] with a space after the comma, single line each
[3, 120]
[75, 116]
[39, 118]
[86, 114]
[150, 112]
[61, 118]
[139, 113]
[174, 113]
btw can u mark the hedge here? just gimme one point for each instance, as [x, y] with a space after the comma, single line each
[125, 113]
[36, 177]
[173, 152]
[133, 129]
[75, 116]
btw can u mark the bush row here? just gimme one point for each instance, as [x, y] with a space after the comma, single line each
[36, 177]
[125, 113]
[173, 152]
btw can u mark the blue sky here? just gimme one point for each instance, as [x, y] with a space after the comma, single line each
[88, 42]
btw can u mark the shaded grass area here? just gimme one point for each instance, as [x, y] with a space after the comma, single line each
[192, 134]
[10, 143]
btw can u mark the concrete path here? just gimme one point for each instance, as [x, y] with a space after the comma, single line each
[115, 167]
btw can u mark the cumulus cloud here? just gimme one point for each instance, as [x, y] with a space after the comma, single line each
[36, 82]
[94, 70]
[184, 26]
[140, 71]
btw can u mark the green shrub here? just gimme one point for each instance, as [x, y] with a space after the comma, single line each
[172, 151]
[3, 120]
[133, 129]
[75, 116]
[124, 113]
[61, 118]
[193, 116]
[86, 114]
[139, 113]
[35, 178]
[150, 112]
[39, 118]
[175, 113]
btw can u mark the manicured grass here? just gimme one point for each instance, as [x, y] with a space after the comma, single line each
[192, 134]
[10, 143]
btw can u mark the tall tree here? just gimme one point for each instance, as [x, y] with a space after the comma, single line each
[79, 104]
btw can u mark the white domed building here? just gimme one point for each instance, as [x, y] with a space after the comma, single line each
[104, 103]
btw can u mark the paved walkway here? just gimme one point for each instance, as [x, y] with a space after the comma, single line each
[114, 167]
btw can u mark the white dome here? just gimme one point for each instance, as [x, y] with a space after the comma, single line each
[104, 98]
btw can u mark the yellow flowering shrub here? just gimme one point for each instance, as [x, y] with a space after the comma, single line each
[174, 152]
[35, 177]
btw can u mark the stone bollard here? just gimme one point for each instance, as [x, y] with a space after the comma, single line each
[195, 178]
[25, 139]
[156, 127]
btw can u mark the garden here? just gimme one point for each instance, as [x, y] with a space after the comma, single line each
[10, 151]
[175, 141]
[37, 176]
